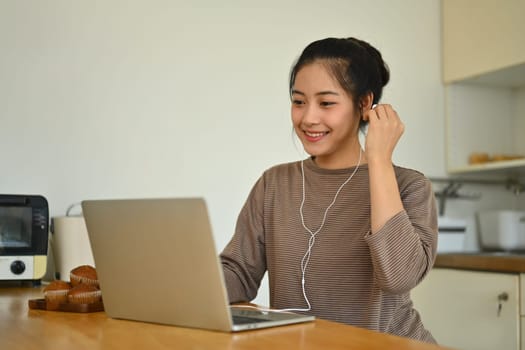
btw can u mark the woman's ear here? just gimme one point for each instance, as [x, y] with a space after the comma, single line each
[367, 101]
[365, 104]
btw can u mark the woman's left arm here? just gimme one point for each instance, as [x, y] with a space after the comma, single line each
[384, 131]
[403, 235]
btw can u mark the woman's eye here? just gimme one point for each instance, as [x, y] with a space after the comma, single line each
[297, 102]
[327, 103]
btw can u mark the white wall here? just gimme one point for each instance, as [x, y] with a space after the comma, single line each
[102, 99]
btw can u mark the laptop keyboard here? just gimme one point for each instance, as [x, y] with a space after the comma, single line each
[246, 320]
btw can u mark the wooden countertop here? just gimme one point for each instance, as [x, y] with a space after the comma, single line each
[483, 261]
[23, 328]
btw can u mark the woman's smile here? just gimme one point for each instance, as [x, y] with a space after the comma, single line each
[315, 136]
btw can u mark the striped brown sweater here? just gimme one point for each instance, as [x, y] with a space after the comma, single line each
[353, 277]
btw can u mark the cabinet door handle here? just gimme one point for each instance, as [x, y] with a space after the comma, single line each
[502, 297]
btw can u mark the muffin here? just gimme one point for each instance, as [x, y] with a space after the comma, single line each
[56, 292]
[84, 274]
[84, 294]
[478, 158]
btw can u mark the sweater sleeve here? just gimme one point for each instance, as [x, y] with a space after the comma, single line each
[243, 259]
[403, 250]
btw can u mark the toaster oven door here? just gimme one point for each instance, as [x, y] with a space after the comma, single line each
[23, 225]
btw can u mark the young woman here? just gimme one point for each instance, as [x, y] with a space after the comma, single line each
[345, 234]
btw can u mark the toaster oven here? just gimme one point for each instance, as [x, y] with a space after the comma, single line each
[23, 237]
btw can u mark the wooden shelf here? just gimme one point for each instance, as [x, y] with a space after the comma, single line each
[504, 167]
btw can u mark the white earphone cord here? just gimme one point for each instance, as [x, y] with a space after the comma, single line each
[306, 258]
[311, 241]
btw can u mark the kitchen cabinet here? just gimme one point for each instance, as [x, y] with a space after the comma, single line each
[470, 310]
[484, 76]
[481, 36]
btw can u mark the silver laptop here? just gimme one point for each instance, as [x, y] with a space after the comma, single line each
[156, 262]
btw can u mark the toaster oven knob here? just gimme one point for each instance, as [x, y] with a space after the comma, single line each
[18, 267]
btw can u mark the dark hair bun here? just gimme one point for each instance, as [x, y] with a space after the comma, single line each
[382, 68]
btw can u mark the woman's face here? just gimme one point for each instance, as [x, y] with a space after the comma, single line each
[324, 118]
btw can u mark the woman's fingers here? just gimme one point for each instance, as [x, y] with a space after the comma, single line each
[384, 131]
